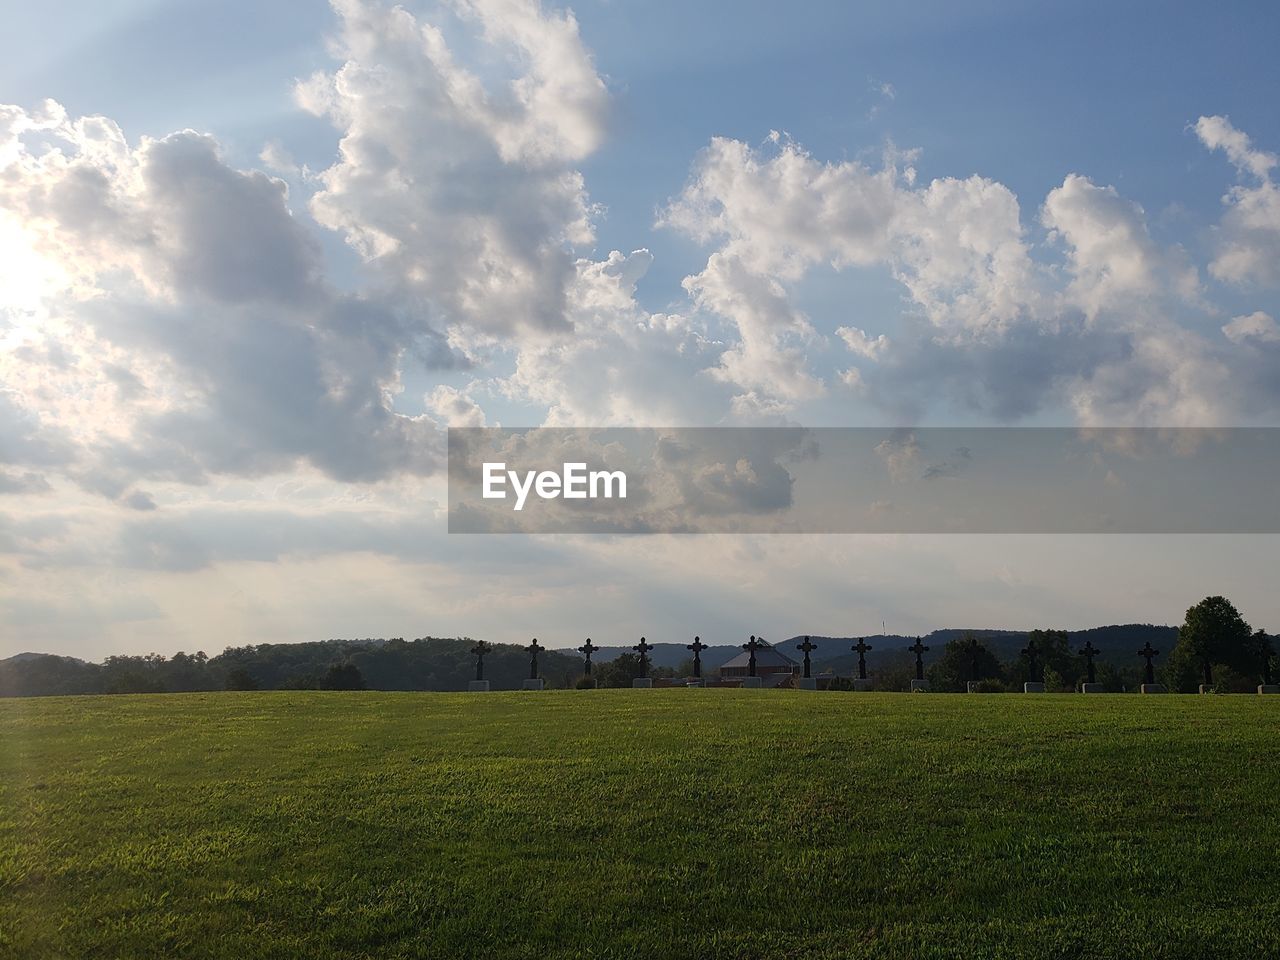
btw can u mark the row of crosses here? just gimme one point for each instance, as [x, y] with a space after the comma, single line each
[973, 648]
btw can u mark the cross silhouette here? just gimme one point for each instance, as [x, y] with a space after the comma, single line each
[644, 646]
[1150, 653]
[587, 649]
[1089, 653]
[697, 647]
[751, 646]
[1032, 663]
[533, 649]
[974, 649]
[806, 647]
[861, 648]
[479, 650]
[919, 649]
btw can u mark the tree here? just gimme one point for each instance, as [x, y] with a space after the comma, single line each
[343, 676]
[620, 671]
[241, 679]
[1060, 668]
[1214, 634]
[1266, 656]
[956, 666]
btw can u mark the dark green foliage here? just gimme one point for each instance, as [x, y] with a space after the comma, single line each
[238, 678]
[343, 676]
[1214, 633]
[655, 824]
[620, 671]
[1061, 669]
[952, 671]
[426, 664]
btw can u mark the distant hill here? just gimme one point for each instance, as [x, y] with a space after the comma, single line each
[1117, 643]
[27, 657]
[663, 654]
[447, 664]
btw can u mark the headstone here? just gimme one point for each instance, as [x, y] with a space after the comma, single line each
[1207, 688]
[642, 683]
[697, 647]
[1149, 653]
[808, 683]
[587, 649]
[752, 682]
[919, 686]
[1153, 688]
[971, 686]
[478, 686]
[535, 683]
[695, 682]
[861, 648]
[807, 646]
[1091, 688]
[1033, 686]
[861, 685]
[1089, 652]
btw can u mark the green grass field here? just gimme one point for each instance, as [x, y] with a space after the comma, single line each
[620, 823]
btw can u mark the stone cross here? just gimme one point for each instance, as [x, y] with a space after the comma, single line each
[974, 649]
[1150, 654]
[533, 649]
[1033, 664]
[861, 648]
[587, 649]
[1089, 653]
[751, 646]
[480, 649]
[806, 647]
[919, 649]
[644, 646]
[697, 647]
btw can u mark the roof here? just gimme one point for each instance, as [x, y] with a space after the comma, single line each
[765, 657]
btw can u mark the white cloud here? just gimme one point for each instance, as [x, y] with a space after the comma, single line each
[463, 194]
[1248, 238]
[1256, 327]
[454, 407]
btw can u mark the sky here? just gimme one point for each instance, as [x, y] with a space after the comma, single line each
[255, 258]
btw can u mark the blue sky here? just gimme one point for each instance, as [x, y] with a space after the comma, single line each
[1023, 93]
[972, 213]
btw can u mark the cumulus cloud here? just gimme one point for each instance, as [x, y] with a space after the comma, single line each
[1257, 327]
[988, 326]
[199, 301]
[1110, 252]
[1248, 238]
[464, 194]
[169, 318]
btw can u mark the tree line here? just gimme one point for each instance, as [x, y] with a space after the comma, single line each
[1214, 645]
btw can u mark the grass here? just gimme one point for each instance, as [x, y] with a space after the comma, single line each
[621, 823]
